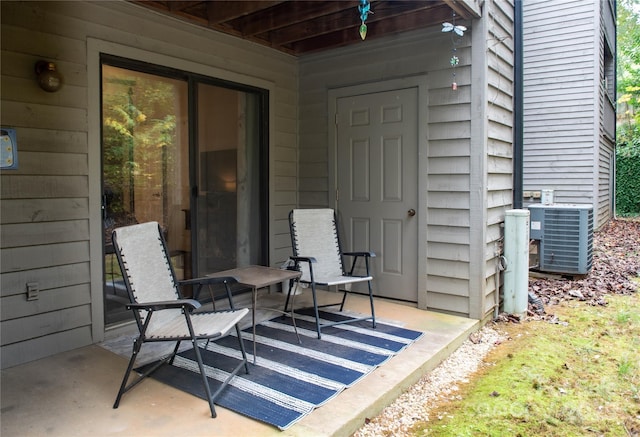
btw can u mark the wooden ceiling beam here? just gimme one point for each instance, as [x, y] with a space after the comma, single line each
[176, 9]
[302, 26]
[287, 14]
[334, 22]
[393, 25]
[466, 9]
[170, 6]
[220, 11]
[181, 6]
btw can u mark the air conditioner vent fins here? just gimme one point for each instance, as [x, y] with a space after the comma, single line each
[565, 234]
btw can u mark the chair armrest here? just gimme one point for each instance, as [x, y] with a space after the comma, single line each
[189, 304]
[367, 254]
[308, 259]
[206, 280]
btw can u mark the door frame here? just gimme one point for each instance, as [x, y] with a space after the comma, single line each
[96, 47]
[421, 83]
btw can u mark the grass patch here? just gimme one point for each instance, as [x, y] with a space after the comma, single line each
[578, 378]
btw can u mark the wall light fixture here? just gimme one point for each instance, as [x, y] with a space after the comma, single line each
[49, 78]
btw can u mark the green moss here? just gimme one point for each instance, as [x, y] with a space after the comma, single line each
[555, 379]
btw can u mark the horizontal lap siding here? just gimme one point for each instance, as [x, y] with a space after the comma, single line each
[605, 198]
[448, 184]
[451, 151]
[560, 108]
[448, 125]
[44, 212]
[285, 166]
[500, 64]
[449, 154]
[568, 120]
[45, 204]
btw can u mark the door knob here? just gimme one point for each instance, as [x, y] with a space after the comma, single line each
[411, 212]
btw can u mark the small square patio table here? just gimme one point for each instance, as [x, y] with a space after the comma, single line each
[257, 277]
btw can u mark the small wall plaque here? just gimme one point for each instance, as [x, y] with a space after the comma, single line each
[8, 149]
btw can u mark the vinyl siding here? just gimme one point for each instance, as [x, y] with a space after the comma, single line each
[559, 111]
[500, 66]
[50, 211]
[605, 176]
[47, 216]
[566, 112]
[465, 170]
[447, 118]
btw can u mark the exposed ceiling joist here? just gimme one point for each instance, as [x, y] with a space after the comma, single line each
[299, 27]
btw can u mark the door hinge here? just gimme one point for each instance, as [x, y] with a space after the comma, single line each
[337, 195]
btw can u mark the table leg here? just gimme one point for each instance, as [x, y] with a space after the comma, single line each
[254, 300]
[293, 317]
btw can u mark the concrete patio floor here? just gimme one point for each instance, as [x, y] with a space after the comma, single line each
[72, 393]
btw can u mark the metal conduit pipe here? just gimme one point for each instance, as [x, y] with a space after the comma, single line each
[518, 109]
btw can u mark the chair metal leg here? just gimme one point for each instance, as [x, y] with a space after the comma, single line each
[213, 396]
[291, 313]
[205, 381]
[286, 302]
[344, 299]
[175, 352]
[326, 325]
[242, 349]
[137, 345]
[123, 387]
[315, 309]
[373, 314]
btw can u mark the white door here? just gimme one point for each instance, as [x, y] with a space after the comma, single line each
[377, 182]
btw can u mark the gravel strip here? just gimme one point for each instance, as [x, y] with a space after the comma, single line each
[415, 404]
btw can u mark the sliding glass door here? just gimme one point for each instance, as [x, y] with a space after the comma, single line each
[229, 200]
[189, 153]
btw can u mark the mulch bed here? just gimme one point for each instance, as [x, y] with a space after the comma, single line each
[616, 261]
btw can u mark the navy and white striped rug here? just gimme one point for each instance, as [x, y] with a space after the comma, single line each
[289, 379]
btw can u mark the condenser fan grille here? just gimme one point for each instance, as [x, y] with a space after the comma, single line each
[566, 237]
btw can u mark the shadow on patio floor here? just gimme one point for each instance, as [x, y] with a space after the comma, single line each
[72, 393]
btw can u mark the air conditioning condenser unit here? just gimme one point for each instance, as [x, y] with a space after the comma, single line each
[564, 233]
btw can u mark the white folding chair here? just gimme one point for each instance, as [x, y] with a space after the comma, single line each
[159, 309]
[318, 255]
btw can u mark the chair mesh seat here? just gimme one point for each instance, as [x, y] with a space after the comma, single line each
[205, 325]
[339, 280]
[161, 311]
[319, 257]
